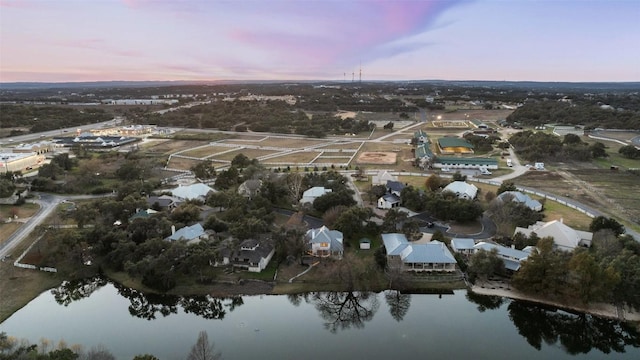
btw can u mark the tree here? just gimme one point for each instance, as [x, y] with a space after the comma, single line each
[459, 177]
[483, 264]
[351, 221]
[506, 186]
[433, 182]
[202, 349]
[388, 126]
[241, 161]
[145, 357]
[601, 222]
[6, 188]
[598, 150]
[204, 170]
[629, 151]
[332, 199]
[571, 139]
[392, 219]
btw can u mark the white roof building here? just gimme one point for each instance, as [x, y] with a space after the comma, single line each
[382, 177]
[310, 195]
[462, 190]
[511, 257]
[517, 196]
[564, 237]
[193, 191]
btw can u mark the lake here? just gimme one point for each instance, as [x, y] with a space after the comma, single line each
[324, 326]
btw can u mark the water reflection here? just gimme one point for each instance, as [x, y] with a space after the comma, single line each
[577, 333]
[342, 310]
[70, 291]
[398, 303]
[485, 302]
[149, 306]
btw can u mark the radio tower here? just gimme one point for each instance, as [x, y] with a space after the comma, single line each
[360, 73]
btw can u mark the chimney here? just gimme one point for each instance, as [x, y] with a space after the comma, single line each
[173, 229]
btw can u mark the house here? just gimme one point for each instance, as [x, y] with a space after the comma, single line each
[191, 234]
[394, 187]
[432, 256]
[309, 196]
[142, 214]
[424, 156]
[463, 245]
[197, 191]
[252, 255]
[462, 190]
[163, 202]
[322, 242]
[519, 197]
[564, 237]
[454, 145]
[382, 177]
[389, 201]
[511, 257]
[250, 188]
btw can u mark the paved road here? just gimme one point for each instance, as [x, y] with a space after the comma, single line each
[48, 203]
[14, 140]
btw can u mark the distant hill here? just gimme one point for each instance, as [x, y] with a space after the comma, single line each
[532, 85]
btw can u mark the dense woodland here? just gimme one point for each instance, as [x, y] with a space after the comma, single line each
[44, 118]
[562, 113]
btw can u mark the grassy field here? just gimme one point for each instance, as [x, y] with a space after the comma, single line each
[571, 217]
[173, 146]
[293, 158]
[23, 211]
[205, 151]
[250, 153]
[343, 145]
[182, 163]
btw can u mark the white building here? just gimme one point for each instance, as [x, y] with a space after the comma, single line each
[462, 190]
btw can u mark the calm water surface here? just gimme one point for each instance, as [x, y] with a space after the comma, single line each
[319, 326]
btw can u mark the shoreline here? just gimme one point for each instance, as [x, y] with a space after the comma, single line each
[609, 311]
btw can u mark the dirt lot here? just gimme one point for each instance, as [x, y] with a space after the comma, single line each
[377, 158]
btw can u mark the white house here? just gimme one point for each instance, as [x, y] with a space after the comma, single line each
[309, 196]
[432, 256]
[462, 190]
[382, 177]
[323, 242]
[250, 188]
[388, 201]
[564, 237]
[194, 191]
[517, 196]
[463, 245]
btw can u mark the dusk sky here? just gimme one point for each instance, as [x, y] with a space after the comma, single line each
[95, 40]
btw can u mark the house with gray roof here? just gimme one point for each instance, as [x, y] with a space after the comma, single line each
[252, 255]
[191, 234]
[394, 187]
[322, 242]
[511, 257]
[250, 188]
[431, 256]
[519, 197]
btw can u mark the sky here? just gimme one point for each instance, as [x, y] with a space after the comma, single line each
[332, 40]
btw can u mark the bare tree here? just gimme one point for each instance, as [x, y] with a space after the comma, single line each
[295, 184]
[202, 350]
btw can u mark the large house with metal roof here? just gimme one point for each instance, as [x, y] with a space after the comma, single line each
[564, 237]
[191, 234]
[449, 162]
[432, 256]
[309, 196]
[197, 191]
[462, 190]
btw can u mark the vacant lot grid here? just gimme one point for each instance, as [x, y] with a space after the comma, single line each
[343, 146]
[181, 163]
[250, 153]
[619, 187]
[292, 158]
[173, 146]
[279, 142]
[205, 151]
